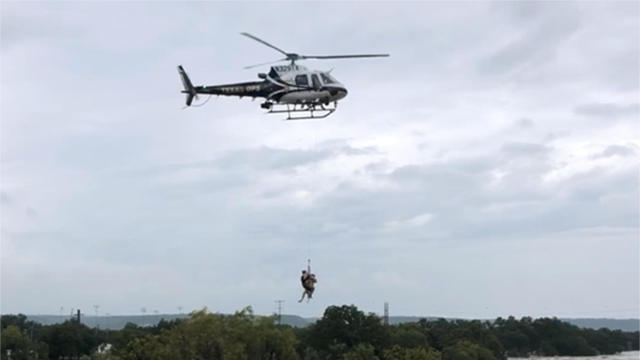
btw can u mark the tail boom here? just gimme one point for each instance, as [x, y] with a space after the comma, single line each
[251, 89]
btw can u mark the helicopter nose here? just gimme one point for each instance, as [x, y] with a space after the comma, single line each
[338, 92]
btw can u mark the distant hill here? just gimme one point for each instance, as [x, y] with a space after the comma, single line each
[112, 322]
[116, 322]
[297, 321]
[613, 324]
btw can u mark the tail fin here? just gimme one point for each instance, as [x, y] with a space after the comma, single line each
[188, 87]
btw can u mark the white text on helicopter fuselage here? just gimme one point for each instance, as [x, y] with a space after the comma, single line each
[239, 89]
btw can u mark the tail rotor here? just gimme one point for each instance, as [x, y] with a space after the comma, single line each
[188, 86]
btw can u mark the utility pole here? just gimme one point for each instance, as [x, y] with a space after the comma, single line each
[386, 313]
[279, 302]
[96, 308]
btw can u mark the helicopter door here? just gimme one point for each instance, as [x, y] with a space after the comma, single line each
[316, 82]
[301, 80]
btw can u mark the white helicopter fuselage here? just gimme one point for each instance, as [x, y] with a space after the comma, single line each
[303, 86]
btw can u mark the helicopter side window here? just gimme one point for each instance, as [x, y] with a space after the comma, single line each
[326, 79]
[301, 80]
[316, 81]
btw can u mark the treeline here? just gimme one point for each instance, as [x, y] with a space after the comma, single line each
[343, 333]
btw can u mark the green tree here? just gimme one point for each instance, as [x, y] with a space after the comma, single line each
[419, 353]
[564, 338]
[145, 347]
[18, 321]
[342, 328]
[409, 335]
[447, 334]
[466, 350]
[70, 339]
[517, 337]
[120, 339]
[361, 352]
[15, 342]
[212, 336]
[546, 348]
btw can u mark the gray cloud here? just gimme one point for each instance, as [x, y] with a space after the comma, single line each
[539, 41]
[23, 27]
[525, 123]
[467, 203]
[268, 158]
[273, 159]
[525, 149]
[608, 110]
[5, 199]
[618, 150]
[31, 212]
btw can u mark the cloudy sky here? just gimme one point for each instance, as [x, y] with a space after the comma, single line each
[489, 167]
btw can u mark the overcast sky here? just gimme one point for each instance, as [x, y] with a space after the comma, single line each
[489, 167]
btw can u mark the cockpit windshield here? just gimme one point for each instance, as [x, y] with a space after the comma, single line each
[327, 79]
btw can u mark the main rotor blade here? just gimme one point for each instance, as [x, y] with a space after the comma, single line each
[343, 56]
[263, 42]
[266, 63]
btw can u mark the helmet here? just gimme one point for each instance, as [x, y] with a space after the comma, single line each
[304, 271]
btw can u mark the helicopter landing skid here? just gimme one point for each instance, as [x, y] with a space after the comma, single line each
[305, 111]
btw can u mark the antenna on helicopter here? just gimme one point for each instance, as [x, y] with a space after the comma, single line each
[293, 56]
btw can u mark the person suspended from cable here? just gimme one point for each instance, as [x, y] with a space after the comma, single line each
[308, 280]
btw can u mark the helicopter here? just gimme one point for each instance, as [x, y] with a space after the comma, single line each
[291, 89]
